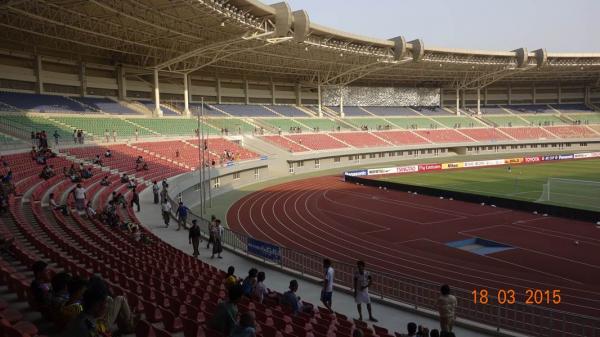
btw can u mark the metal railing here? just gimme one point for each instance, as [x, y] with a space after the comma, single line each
[530, 319]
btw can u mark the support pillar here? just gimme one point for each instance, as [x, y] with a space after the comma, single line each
[319, 99]
[246, 92]
[121, 83]
[39, 88]
[479, 101]
[273, 93]
[457, 102]
[82, 79]
[509, 95]
[342, 103]
[559, 94]
[485, 98]
[464, 98]
[219, 100]
[298, 94]
[586, 96]
[186, 96]
[534, 95]
[441, 98]
[157, 111]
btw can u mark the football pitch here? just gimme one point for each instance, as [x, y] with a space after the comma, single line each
[573, 183]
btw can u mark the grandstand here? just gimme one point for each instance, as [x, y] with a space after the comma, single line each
[257, 83]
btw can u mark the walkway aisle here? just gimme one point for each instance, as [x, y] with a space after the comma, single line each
[389, 317]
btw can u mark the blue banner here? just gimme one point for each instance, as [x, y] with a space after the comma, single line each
[566, 156]
[265, 250]
[554, 157]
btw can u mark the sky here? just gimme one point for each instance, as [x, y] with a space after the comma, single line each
[557, 25]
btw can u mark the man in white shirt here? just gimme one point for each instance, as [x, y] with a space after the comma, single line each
[447, 308]
[79, 194]
[155, 191]
[362, 282]
[166, 211]
[327, 291]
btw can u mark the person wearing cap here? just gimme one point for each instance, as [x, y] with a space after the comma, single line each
[195, 237]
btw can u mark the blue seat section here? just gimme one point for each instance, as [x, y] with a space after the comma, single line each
[530, 109]
[390, 110]
[572, 107]
[493, 110]
[166, 111]
[288, 110]
[353, 111]
[245, 110]
[431, 110]
[43, 103]
[106, 105]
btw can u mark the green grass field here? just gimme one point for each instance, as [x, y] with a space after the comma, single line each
[523, 182]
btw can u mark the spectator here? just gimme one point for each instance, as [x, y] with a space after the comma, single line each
[434, 333]
[55, 206]
[90, 211]
[195, 237]
[166, 212]
[357, 333]
[118, 315]
[249, 282]
[155, 191]
[108, 154]
[135, 199]
[114, 134]
[211, 227]
[327, 291]
[56, 137]
[136, 134]
[124, 178]
[181, 214]
[106, 135]
[132, 183]
[40, 286]
[97, 160]
[226, 312]
[72, 308]
[362, 282]
[246, 327]
[59, 294]
[217, 239]
[447, 308]
[145, 166]
[104, 181]
[291, 300]
[230, 279]
[260, 290]
[90, 323]
[164, 193]
[79, 194]
[411, 329]
[87, 173]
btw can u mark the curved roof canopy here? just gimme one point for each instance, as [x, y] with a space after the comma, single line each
[246, 38]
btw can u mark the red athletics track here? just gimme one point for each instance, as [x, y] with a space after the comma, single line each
[405, 234]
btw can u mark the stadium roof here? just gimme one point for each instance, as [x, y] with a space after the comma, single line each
[249, 39]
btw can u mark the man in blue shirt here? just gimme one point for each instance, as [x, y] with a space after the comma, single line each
[182, 213]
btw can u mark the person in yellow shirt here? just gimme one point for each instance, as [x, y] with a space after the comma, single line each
[230, 279]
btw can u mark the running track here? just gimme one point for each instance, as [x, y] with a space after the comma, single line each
[405, 234]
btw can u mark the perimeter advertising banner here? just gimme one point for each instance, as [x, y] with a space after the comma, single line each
[566, 156]
[480, 163]
[264, 250]
[385, 170]
[356, 173]
[513, 161]
[535, 159]
[447, 166]
[547, 158]
[429, 167]
[408, 169]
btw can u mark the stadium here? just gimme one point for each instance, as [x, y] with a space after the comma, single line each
[126, 125]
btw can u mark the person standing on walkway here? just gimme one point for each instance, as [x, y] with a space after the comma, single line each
[217, 239]
[106, 135]
[79, 194]
[181, 213]
[114, 134]
[211, 227]
[327, 291]
[155, 191]
[136, 135]
[362, 282]
[447, 308]
[135, 199]
[195, 237]
[56, 137]
[166, 212]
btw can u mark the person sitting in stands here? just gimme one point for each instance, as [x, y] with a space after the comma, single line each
[40, 286]
[87, 173]
[132, 183]
[145, 167]
[124, 178]
[120, 200]
[291, 300]
[230, 279]
[108, 153]
[139, 160]
[249, 282]
[33, 153]
[56, 206]
[246, 328]
[72, 308]
[40, 158]
[59, 294]
[138, 167]
[76, 177]
[97, 160]
[46, 173]
[226, 312]
[104, 181]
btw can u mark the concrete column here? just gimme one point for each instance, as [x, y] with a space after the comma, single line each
[586, 96]
[82, 79]
[457, 102]
[39, 88]
[157, 111]
[219, 91]
[186, 95]
[509, 95]
[479, 101]
[342, 104]
[298, 94]
[441, 98]
[121, 83]
[272, 93]
[319, 99]
[246, 92]
[485, 98]
[533, 94]
[559, 94]
[464, 99]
